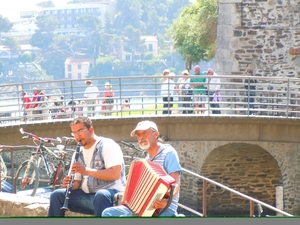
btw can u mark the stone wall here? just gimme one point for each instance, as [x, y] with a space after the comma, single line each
[259, 34]
[252, 168]
[262, 35]
[250, 155]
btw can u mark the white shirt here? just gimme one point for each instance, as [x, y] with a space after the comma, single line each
[214, 82]
[167, 88]
[112, 155]
[91, 92]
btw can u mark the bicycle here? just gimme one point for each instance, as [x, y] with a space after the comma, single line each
[5, 186]
[28, 174]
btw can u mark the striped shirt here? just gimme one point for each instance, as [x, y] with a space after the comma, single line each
[167, 157]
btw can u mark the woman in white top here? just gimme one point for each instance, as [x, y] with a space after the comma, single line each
[167, 92]
[183, 86]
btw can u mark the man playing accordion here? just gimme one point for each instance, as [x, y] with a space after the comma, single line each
[165, 155]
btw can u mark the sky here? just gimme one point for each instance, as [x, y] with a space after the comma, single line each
[11, 8]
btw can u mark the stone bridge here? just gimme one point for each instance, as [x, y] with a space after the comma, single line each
[251, 155]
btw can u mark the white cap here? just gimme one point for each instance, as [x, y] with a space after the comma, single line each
[144, 125]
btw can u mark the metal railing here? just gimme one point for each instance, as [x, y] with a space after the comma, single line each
[273, 97]
[204, 188]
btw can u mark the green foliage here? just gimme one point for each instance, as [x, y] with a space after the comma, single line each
[25, 58]
[47, 24]
[89, 22]
[123, 32]
[46, 4]
[5, 24]
[12, 43]
[1, 66]
[41, 39]
[103, 67]
[195, 30]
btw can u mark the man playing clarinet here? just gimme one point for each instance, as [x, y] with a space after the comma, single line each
[98, 174]
[165, 155]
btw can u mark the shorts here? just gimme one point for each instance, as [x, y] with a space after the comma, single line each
[199, 98]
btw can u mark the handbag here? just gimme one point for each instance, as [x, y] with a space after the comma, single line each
[109, 100]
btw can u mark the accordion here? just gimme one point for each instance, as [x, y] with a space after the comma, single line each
[147, 182]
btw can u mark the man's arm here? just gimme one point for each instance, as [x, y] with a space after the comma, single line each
[112, 173]
[159, 204]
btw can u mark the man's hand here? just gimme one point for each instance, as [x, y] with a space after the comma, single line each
[160, 204]
[78, 168]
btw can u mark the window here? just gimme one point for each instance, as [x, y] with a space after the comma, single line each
[69, 68]
[79, 67]
[127, 57]
[70, 75]
[79, 75]
[150, 47]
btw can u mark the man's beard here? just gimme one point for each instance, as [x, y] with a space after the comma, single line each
[145, 147]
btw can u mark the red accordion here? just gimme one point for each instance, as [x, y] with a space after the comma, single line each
[147, 182]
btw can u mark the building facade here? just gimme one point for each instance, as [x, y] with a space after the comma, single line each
[69, 13]
[77, 68]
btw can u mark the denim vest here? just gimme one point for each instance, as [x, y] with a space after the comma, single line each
[97, 162]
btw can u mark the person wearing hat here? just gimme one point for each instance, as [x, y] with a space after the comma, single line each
[91, 94]
[108, 101]
[250, 89]
[165, 155]
[167, 91]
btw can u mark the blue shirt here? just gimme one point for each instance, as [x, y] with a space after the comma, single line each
[167, 157]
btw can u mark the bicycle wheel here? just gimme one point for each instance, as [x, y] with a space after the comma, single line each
[3, 169]
[62, 174]
[27, 178]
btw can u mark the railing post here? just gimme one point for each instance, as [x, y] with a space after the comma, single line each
[251, 208]
[12, 169]
[204, 189]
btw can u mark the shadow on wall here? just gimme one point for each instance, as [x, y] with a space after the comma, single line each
[243, 167]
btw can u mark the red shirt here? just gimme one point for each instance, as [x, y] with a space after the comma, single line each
[26, 99]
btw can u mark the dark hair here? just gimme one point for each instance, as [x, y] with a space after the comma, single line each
[82, 119]
[249, 71]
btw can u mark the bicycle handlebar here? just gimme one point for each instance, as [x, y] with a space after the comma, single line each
[35, 137]
[68, 138]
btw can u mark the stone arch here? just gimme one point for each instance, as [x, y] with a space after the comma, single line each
[247, 168]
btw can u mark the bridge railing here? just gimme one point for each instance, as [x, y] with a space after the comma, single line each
[272, 97]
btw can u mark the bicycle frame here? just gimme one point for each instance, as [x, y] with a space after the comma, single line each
[36, 158]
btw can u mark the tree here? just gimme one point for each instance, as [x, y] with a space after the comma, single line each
[89, 22]
[47, 24]
[195, 31]
[12, 43]
[129, 13]
[1, 67]
[43, 37]
[5, 24]
[46, 4]
[25, 58]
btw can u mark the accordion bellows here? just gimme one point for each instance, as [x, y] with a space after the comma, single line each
[147, 182]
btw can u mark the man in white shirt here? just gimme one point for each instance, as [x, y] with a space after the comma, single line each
[167, 91]
[213, 87]
[99, 173]
[91, 94]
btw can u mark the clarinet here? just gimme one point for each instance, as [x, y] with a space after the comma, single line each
[69, 188]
